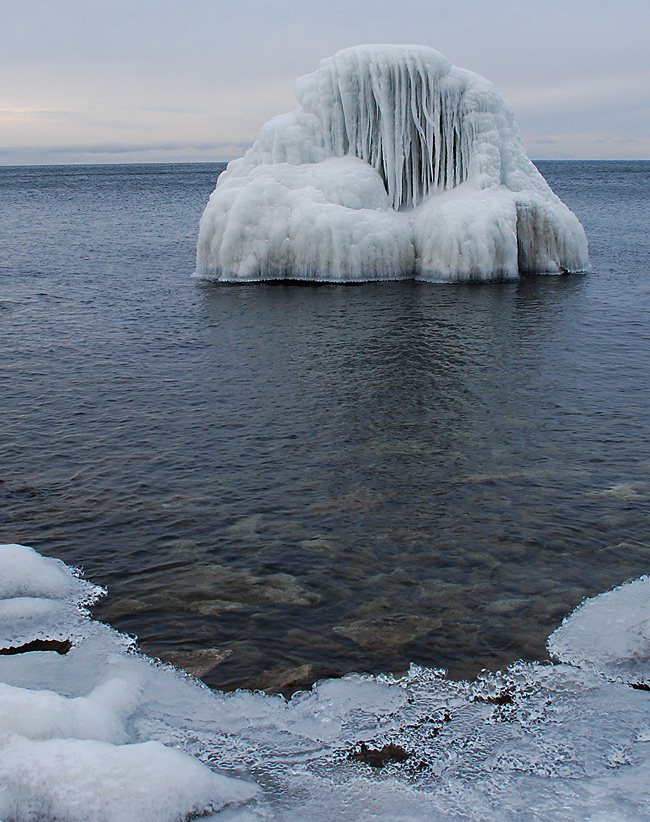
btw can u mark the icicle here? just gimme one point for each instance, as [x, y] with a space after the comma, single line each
[401, 119]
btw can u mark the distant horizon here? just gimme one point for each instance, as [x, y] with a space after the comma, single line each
[225, 162]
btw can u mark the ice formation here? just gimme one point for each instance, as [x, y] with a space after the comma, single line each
[78, 740]
[610, 634]
[395, 165]
[102, 733]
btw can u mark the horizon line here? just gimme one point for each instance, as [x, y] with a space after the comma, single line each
[225, 162]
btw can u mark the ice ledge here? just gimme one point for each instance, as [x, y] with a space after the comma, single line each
[609, 634]
[72, 748]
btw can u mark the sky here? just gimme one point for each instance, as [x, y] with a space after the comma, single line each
[117, 81]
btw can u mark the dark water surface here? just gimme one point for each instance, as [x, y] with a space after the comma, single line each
[282, 482]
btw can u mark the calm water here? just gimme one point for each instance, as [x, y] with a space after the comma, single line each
[281, 482]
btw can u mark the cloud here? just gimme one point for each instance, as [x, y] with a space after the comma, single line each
[622, 90]
[210, 152]
[114, 72]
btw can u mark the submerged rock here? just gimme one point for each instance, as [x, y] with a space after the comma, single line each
[388, 634]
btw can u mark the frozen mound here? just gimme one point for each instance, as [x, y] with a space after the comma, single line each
[396, 165]
[609, 634]
[102, 733]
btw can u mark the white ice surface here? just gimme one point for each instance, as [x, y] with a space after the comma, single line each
[25, 573]
[395, 165]
[103, 733]
[83, 780]
[610, 634]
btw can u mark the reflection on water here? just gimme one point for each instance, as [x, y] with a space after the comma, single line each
[279, 482]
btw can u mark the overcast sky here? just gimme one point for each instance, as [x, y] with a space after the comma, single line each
[181, 80]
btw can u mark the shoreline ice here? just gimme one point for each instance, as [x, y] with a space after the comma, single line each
[396, 165]
[100, 732]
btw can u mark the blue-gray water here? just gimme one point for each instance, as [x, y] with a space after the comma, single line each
[282, 482]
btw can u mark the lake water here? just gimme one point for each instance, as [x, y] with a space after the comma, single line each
[279, 482]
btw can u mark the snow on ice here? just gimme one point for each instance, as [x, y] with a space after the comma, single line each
[395, 165]
[102, 733]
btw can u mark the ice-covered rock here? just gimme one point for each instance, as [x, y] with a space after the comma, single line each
[395, 165]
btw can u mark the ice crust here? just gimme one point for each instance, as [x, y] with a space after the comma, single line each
[395, 165]
[103, 733]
